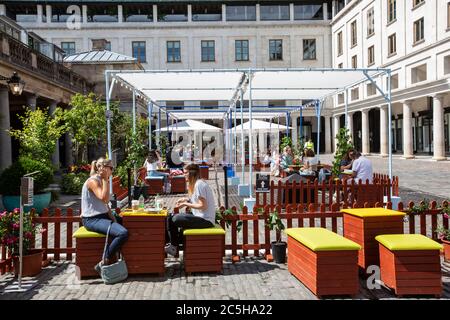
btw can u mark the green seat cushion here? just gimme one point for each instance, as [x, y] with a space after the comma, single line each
[83, 233]
[321, 239]
[216, 230]
[407, 242]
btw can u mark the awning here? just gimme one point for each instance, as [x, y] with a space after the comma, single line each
[190, 125]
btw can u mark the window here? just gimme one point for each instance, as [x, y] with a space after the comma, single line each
[308, 12]
[208, 53]
[419, 74]
[241, 50]
[392, 44]
[417, 2]
[141, 13]
[392, 10]
[23, 12]
[274, 12]
[102, 13]
[59, 13]
[68, 47]
[371, 56]
[276, 49]
[355, 94]
[370, 22]
[394, 81]
[309, 49]
[371, 89]
[206, 12]
[139, 51]
[341, 98]
[172, 13]
[339, 43]
[447, 64]
[355, 62]
[448, 15]
[241, 13]
[173, 51]
[108, 46]
[354, 34]
[419, 30]
[340, 65]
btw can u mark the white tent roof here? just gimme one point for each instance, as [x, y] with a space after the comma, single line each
[190, 125]
[258, 125]
[184, 86]
[220, 115]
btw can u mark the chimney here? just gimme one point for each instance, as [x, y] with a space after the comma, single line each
[99, 44]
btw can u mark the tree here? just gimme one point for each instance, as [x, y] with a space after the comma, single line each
[344, 144]
[40, 133]
[86, 123]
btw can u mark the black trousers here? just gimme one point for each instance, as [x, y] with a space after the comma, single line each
[183, 221]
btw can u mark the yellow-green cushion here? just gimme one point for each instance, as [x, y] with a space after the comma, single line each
[321, 239]
[373, 212]
[216, 230]
[407, 242]
[83, 233]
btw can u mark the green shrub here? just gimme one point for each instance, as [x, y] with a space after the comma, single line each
[10, 177]
[72, 183]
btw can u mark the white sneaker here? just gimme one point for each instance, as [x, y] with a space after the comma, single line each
[171, 249]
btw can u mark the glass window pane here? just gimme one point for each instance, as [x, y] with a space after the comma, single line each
[275, 12]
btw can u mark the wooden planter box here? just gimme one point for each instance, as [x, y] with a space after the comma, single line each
[363, 225]
[155, 185]
[178, 184]
[327, 272]
[204, 172]
[144, 250]
[89, 251]
[411, 272]
[204, 250]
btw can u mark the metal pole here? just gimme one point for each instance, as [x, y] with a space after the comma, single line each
[134, 111]
[287, 124]
[250, 137]
[346, 109]
[108, 125]
[150, 115]
[242, 135]
[318, 112]
[20, 242]
[235, 136]
[301, 126]
[390, 126]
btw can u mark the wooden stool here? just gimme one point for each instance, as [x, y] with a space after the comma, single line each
[155, 185]
[204, 249]
[410, 264]
[89, 251]
[204, 172]
[323, 261]
[178, 184]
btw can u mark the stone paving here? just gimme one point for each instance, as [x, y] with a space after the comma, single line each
[252, 278]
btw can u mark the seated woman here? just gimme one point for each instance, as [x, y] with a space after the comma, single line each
[152, 163]
[346, 164]
[286, 159]
[95, 213]
[267, 158]
[200, 202]
[309, 159]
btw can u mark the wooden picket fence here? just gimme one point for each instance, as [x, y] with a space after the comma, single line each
[328, 193]
[246, 240]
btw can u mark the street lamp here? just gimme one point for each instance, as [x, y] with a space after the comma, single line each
[15, 84]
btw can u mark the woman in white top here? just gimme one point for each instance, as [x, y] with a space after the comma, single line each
[200, 202]
[152, 163]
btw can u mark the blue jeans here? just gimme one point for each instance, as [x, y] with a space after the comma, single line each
[100, 224]
[154, 173]
[184, 221]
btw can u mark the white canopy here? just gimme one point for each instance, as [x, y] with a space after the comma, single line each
[190, 125]
[220, 115]
[258, 125]
[184, 86]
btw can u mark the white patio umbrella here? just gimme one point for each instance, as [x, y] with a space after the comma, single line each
[258, 125]
[189, 125]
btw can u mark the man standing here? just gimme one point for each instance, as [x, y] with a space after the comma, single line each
[362, 167]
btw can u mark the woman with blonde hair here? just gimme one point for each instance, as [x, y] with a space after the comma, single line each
[95, 213]
[200, 202]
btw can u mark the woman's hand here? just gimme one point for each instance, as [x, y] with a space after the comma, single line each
[105, 173]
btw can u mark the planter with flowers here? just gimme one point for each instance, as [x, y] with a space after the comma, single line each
[444, 235]
[9, 237]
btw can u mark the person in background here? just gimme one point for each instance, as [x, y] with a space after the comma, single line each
[309, 159]
[95, 213]
[267, 158]
[362, 167]
[201, 204]
[345, 164]
[152, 162]
[309, 144]
[286, 159]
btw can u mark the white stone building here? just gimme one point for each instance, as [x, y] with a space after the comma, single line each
[412, 38]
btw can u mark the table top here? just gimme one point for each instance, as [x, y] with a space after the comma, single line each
[373, 212]
[143, 213]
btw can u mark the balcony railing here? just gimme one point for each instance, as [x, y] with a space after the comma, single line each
[17, 53]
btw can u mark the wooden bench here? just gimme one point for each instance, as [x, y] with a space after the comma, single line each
[410, 264]
[89, 251]
[204, 249]
[323, 261]
[178, 184]
[155, 185]
[118, 190]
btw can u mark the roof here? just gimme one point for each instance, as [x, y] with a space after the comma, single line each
[97, 56]
[189, 125]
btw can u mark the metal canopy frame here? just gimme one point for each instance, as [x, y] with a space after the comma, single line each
[245, 87]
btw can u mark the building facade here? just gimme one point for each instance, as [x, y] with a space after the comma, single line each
[411, 37]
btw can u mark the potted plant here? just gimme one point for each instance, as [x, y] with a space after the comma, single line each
[10, 180]
[444, 234]
[344, 144]
[278, 247]
[9, 237]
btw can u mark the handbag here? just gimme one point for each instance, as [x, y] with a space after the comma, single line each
[116, 272]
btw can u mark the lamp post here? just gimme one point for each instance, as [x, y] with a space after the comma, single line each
[15, 84]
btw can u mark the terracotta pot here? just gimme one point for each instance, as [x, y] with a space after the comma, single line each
[32, 263]
[446, 244]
